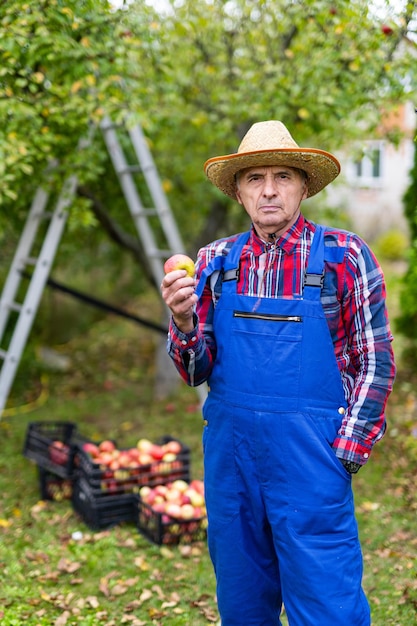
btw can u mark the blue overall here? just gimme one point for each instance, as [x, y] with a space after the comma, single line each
[280, 506]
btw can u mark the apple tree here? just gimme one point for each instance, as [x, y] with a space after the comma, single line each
[64, 64]
[327, 69]
[196, 75]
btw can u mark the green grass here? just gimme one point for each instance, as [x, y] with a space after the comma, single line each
[113, 577]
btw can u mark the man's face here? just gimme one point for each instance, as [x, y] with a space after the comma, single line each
[271, 195]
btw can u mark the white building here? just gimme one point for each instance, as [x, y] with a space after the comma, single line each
[373, 181]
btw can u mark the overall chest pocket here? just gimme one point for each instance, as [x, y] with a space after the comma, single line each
[264, 353]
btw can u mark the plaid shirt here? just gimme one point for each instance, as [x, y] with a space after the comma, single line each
[354, 305]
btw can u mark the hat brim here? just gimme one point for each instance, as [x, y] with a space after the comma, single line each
[321, 167]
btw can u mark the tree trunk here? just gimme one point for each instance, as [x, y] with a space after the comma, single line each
[167, 378]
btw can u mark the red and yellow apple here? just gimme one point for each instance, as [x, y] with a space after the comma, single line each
[91, 449]
[157, 452]
[59, 452]
[172, 446]
[180, 262]
[107, 446]
[144, 445]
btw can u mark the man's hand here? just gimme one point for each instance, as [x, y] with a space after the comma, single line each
[177, 289]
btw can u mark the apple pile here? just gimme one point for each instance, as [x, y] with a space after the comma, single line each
[179, 500]
[173, 513]
[58, 489]
[124, 470]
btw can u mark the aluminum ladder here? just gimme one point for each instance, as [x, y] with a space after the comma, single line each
[41, 265]
[141, 215]
[57, 218]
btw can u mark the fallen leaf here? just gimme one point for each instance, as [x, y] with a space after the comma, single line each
[141, 563]
[39, 557]
[367, 507]
[157, 589]
[168, 605]
[62, 619]
[119, 590]
[38, 508]
[54, 576]
[167, 553]
[101, 535]
[93, 602]
[4, 523]
[156, 613]
[132, 606]
[145, 595]
[69, 598]
[64, 565]
[133, 621]
[104, 587]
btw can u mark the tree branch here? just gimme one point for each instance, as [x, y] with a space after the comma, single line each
[116, 233]
[214, 223]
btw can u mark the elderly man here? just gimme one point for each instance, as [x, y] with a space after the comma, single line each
[288, 324]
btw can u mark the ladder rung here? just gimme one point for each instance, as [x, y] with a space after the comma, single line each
[30, 260]
[15, 306]
[3, 354]
[161, 254]
[148, 168]
[145, 213]
[130, 169]
[43, 214]
[107, 125]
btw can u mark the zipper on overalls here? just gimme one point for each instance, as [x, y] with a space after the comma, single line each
[270, 317]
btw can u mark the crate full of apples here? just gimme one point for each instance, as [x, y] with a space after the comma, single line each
[52, 446]
[110, 470]
[172, 513]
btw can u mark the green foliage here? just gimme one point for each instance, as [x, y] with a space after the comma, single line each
[195, 76]
[61, 63]
[410, 198]
[407, 320]
[392, 245]
[218, 67]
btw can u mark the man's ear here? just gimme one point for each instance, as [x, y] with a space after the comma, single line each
[238, 198]
[305, 192]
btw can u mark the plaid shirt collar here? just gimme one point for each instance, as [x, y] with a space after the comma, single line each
[286, 242]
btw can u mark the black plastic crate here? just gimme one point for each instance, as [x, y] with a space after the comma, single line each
[53, 487]
[160, 528]
[101, 512]
[130, 475]
[51, 446]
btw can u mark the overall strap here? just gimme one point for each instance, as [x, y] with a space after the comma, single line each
[228, 265]
[314, 276]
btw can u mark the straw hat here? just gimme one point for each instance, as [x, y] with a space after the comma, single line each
[270, 143]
